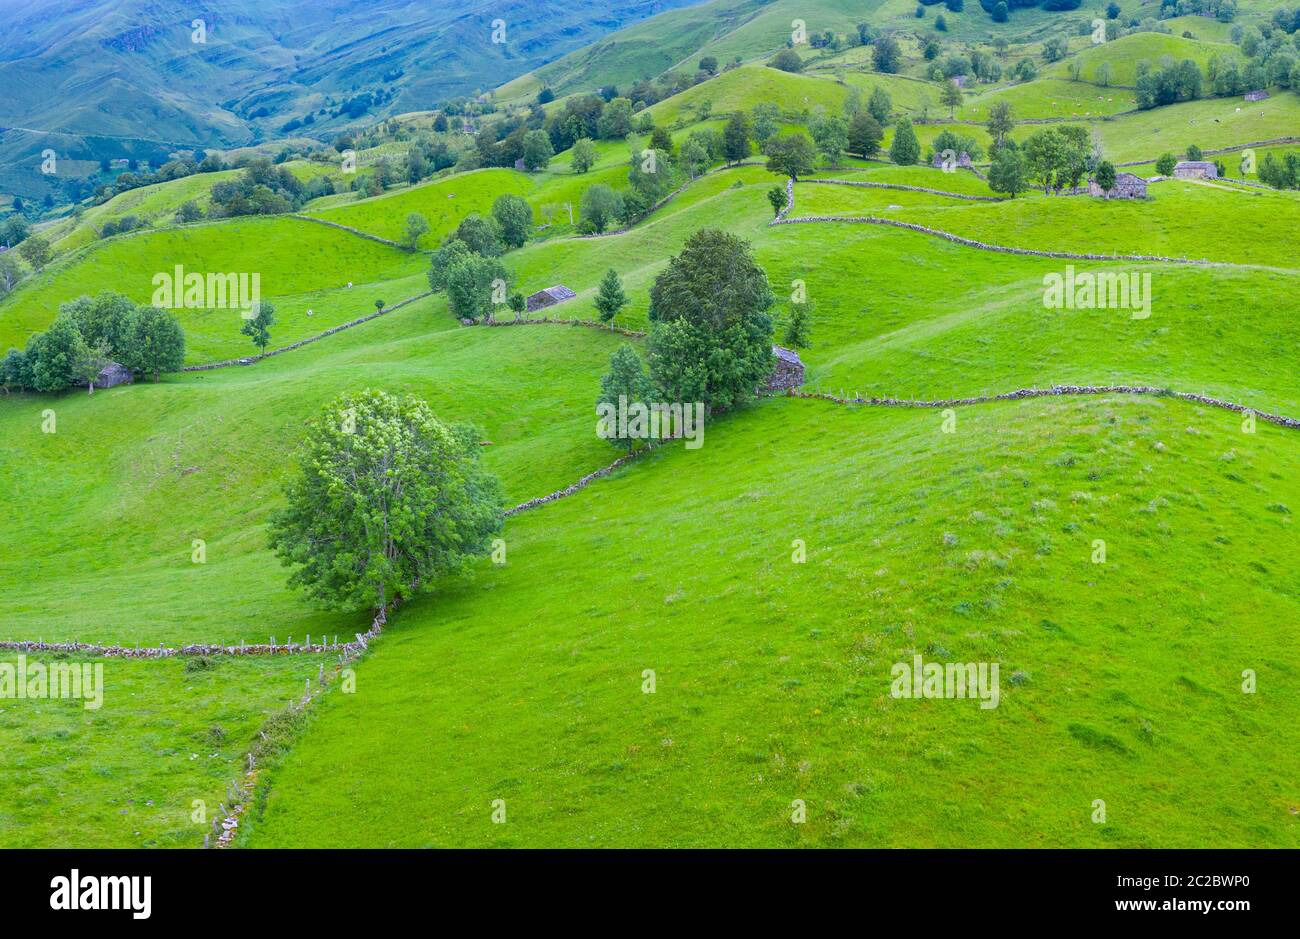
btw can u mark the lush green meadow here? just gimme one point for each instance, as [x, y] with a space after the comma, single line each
[128, 774]
[772, 678]
[1050, 98]
[765, 583]
[202, 457]
[156, 205]
[1174, 221]
[1124, 54]
[300, 265]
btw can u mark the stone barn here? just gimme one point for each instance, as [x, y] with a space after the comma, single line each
[787, 370]
[112, 375]
[549, 297]
[1196, 169]
[1127, 186]
[1258, 95]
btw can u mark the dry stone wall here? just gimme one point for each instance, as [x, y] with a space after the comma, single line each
[1057, 391]
[249, 360]
[870, 185]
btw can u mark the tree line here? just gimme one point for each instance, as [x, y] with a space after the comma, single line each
[88, 334]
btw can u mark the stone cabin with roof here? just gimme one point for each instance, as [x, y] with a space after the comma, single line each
[787, 370]
[1196, 169]
[549, 297]
[1127, 186]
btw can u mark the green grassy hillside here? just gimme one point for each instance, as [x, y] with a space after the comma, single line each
[1173, 222]
[129, 773]
[772, 679]
[969, 536]
[302, 266]
[1124, 54]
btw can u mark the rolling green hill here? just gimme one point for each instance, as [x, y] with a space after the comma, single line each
[769, 581]
[301, 266]
[1124, 55]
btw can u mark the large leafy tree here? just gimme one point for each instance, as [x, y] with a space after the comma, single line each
[417, 226]
[386, 500]
[36, 252]
[600, 206]
[1000, 122]
[583, 157]
[886, 55]
[790, 155]
[474, 285]
[831, 135]
[442, 261]
[157, 343]
[538, 150]
[615, 120]
[14, 371]
[514, 217]
[767, 121]
[950, 97]
[865, 134]
[880, 106]
[481, 235]
[1007, 174]
[798, 329]
[55, 357]
[711, 338]
[787, 60]
[1106, 176]
[1056, 157]
[107, 319]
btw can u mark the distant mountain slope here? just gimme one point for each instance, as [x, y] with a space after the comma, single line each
[131, 68]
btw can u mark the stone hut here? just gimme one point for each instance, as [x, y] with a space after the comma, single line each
[1196, 169]
[549, 297]
[787, 370]
[1258, 95]
[1127, 186]
[959, 81]
[112, 375]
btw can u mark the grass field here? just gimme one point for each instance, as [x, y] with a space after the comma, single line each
[1050, 98]
[1173, 221]
[157, 204]
[962, 537]
[1124, 54]
[772, 678]
[301, 265]
[128, 773]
